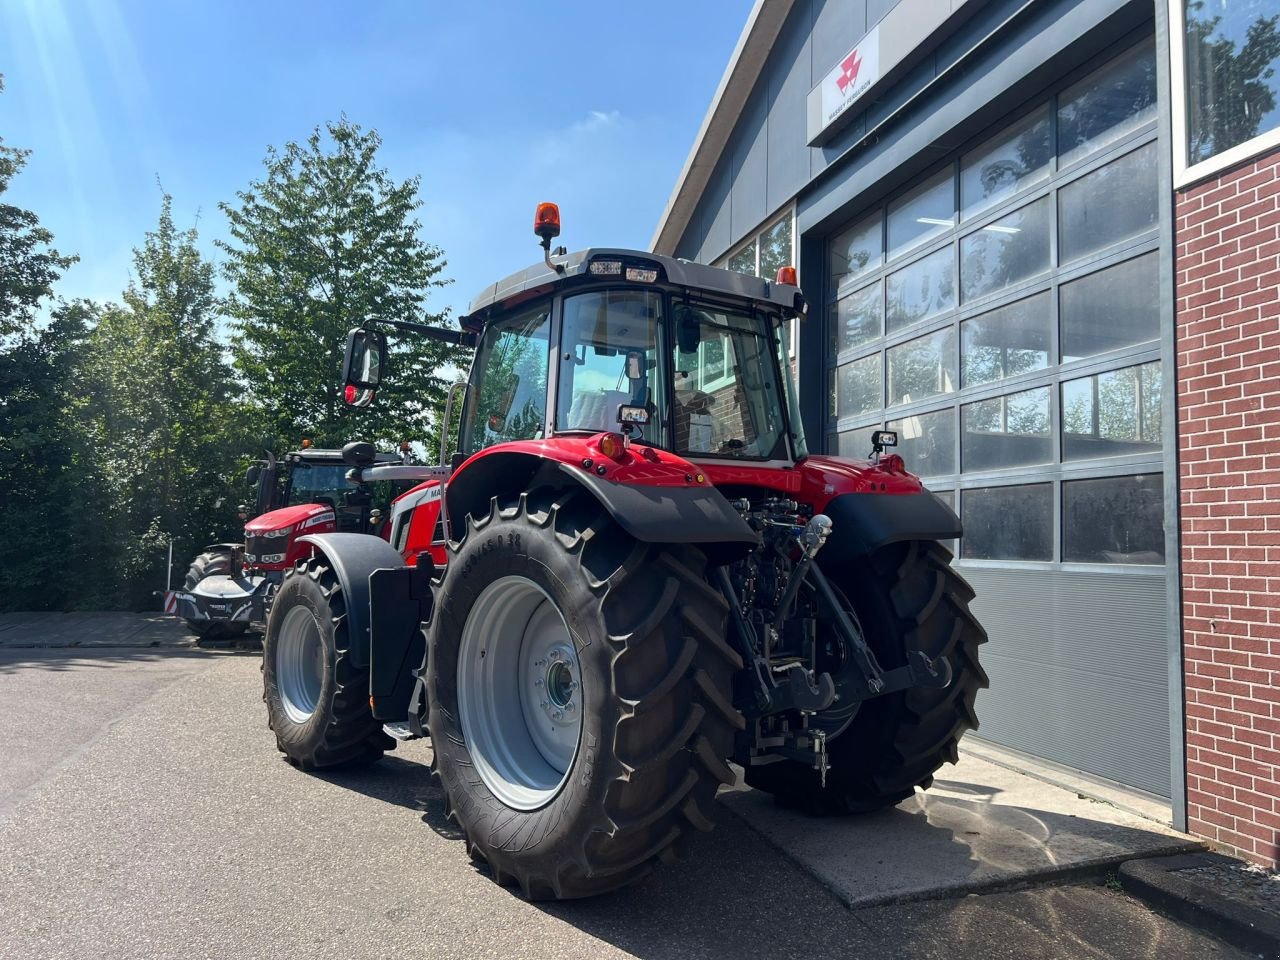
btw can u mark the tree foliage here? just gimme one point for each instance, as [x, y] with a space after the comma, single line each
[326, 241]
[166, 425]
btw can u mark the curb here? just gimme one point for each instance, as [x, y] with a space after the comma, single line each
[1156, 881]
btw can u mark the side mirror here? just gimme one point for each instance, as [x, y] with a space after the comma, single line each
[359, 453]
[252, 474]
[362, 367]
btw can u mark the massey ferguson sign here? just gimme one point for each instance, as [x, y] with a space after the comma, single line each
[851, 78]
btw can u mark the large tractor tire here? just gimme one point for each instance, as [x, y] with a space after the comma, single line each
[906, 597]
[317, 698]
[580, 695]
[212, 563]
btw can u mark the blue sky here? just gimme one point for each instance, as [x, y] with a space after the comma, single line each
[496, 105]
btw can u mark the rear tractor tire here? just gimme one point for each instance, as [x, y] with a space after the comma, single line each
[580, 695]
[212, 563]
[317, 698]
[906, 597]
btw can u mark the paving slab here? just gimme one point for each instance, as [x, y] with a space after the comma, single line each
[114, 629]
[980, 827]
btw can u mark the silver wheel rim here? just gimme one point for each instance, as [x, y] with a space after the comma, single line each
[299, 664]
[519, 693]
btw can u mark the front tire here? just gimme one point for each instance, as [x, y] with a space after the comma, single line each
[907, 597]
[317, 697]
[547, 607]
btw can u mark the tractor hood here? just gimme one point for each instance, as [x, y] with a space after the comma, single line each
[302, 516]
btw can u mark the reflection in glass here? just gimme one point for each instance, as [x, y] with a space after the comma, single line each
[859, 388]
[1005, 251]
[1113, 308]
[744, 261]
[1112, 413]
[859, 318]
[1011, 160]
[1112, 203]
[1108, 104]
[1007, 523]
[921, 290]
[1113, 520]
[775, 249]
[1009, 431]
[922, 368]
[854, 252]
[927, 442]
[856, 443]
[1008, 341]
[1232, 50]
[925, 212]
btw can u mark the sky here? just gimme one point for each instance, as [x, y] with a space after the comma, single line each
[496, 105]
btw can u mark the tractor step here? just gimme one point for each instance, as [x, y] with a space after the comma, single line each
[399, 729]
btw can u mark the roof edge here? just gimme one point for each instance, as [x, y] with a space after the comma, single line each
[763, 25]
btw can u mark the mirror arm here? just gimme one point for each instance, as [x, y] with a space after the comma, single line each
[460, 338]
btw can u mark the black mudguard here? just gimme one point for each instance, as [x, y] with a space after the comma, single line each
[354, 557]
[864, 522]
[399, 604]
[695, 514]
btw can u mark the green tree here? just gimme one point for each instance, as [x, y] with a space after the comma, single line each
[326, 241]
[28, 264]
[166, 423]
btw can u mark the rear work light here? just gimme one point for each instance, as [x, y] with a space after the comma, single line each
[642, 275]
[605, 268]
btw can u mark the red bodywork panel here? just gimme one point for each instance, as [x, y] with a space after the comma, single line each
[425, 501]
[304, 518]
[639, 464]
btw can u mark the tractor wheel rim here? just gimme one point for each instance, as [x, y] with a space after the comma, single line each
[299, 664]
[519, 693]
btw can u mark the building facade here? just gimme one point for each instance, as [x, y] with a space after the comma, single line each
[1041, 240]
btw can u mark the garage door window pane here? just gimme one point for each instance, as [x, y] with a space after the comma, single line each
[1113, 520]
[856, 443]
[927, 442]
[923, 213]
[1113, 308]
[1008, 250]
[1108, 104]
[1003, 343]
[1010, 161]
[1112, 414]
[744, 261]
[1006, 431]
[859, 318]
[856, 251]
[922, 290]
[923, 368]
[859, 388]
[1007, 523]
[1111, 204]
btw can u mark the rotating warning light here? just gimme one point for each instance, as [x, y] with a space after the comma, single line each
[546, 222]
[787, 275]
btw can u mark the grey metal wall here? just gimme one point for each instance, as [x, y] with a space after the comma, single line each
[1077, 668]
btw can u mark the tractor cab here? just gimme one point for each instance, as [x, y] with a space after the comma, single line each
[669, 354]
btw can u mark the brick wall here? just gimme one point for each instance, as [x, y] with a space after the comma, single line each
[1228, 347]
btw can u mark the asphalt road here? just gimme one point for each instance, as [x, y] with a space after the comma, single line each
[144, 812]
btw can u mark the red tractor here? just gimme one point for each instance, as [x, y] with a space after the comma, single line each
[229, 585]
[631, 573]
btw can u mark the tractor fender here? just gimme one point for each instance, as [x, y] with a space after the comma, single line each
[864, 522]
[660, 506]
[354, 557]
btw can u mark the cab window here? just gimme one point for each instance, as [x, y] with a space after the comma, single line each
[509, 402]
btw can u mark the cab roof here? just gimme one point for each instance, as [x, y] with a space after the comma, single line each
[537, 279]
[317, 455]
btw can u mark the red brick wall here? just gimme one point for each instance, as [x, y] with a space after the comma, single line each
[1228, 345]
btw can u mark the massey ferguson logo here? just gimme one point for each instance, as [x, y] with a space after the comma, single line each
[849, 71]
[851, 77]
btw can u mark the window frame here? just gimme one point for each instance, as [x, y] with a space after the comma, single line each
[1184, 172]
